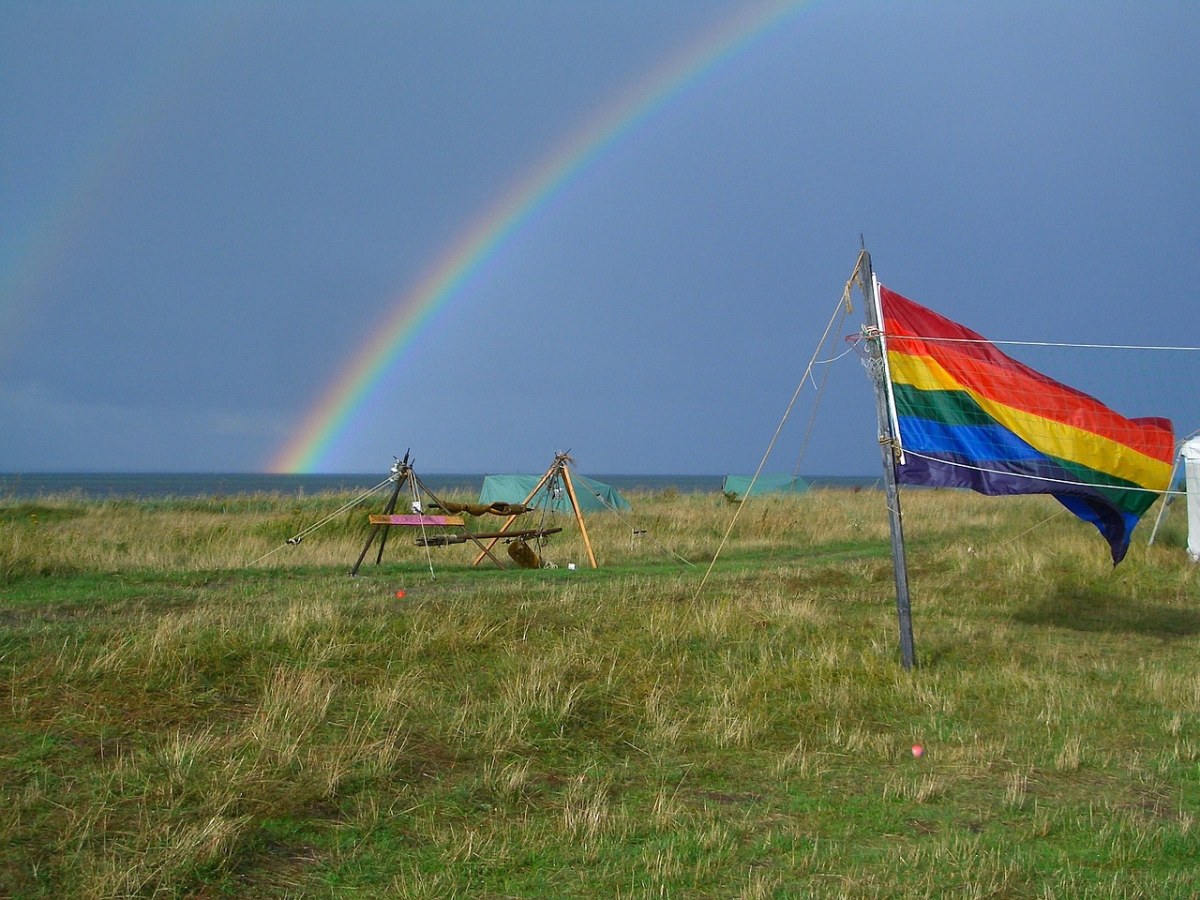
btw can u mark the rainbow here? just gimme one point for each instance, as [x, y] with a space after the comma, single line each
[310, 444]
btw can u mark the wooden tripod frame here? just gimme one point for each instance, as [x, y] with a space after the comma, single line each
[561, 468]
[401, 473]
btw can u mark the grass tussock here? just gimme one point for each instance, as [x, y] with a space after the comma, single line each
[193, 707]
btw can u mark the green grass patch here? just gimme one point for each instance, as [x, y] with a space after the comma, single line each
[191, 707]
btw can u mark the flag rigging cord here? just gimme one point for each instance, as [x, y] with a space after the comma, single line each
[820, 388]
[1167, 494]
[1032, 477]
[1066, 344]
[840, 311]
[1062, 344]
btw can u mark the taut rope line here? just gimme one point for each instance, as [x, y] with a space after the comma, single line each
[301, 535]
[843, 303]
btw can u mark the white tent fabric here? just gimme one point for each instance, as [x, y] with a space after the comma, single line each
[1190, 451]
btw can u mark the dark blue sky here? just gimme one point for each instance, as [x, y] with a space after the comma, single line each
[210, 208]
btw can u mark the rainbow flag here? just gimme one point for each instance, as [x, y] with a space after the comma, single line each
[971, 417]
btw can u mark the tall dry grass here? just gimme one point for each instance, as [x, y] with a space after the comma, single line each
[183, 716]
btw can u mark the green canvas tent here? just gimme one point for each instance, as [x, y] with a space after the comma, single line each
[592, 495]
[738, 485]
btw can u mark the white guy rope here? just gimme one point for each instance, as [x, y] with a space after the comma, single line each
[415, 505]
[775, 437]
[301, 535]
[946, 340]
[820, 389]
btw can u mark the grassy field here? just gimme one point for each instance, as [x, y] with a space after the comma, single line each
[191, 707]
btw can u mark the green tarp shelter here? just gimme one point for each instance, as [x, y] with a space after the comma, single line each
[592, 495]
[739, 485]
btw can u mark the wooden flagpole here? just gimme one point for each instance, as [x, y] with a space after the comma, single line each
[889, 444]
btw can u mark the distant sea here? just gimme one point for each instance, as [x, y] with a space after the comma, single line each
[101, 485]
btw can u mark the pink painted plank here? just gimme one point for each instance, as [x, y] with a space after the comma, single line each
[416, 520]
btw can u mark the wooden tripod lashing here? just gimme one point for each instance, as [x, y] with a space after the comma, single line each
[558, 467]
[380, 523]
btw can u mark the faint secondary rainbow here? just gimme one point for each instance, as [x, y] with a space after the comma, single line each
[311, 442]
[43, 239]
